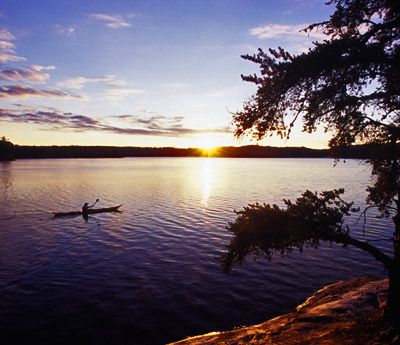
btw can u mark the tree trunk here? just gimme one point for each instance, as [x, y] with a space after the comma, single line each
[393, 303]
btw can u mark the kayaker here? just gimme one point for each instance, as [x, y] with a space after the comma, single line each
[86, 207]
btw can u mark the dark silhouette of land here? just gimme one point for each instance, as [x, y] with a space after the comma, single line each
[249, 151]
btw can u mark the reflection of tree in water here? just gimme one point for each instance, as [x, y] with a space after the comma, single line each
[6, 179]
[350, 83]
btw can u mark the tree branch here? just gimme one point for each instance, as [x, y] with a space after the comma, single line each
[365, 246]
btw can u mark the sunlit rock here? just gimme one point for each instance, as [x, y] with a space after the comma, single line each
[343, 313]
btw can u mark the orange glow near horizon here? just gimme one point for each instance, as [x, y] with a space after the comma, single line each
[208, 147]
[208, 151]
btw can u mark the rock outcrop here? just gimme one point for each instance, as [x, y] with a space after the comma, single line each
[342, 313]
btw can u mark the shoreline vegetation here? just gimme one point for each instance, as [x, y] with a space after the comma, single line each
[249, 151]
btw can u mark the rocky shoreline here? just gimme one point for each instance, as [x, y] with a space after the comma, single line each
[348, 312]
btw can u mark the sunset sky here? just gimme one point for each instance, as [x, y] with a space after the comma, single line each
[139, 73]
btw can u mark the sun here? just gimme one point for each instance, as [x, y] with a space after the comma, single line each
[208, 151]
[208, 147]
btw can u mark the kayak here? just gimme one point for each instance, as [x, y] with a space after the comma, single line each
[89, 211]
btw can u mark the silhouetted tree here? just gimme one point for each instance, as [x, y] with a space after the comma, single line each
[350, 83]
[6, 149]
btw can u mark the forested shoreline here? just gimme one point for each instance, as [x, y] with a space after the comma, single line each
[10, 151]
[23, 152]
[249, 151]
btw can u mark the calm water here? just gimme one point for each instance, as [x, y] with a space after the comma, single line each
[150, 275]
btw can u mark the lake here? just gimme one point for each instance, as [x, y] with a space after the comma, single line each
[151, 274]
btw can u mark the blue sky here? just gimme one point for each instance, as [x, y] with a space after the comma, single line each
[139, 73]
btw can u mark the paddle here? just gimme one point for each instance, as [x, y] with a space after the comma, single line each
[97, 200]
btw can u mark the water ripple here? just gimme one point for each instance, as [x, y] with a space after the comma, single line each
[118, 277]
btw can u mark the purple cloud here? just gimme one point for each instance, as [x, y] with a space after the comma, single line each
[33, 74]
[23, 91]
[7, 48]
[56, 120]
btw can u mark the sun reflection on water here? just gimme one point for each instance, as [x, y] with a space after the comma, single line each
[207, 178]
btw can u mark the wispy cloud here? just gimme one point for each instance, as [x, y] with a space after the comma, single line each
[294, 37]
[7, 47]
[6, 35]
[65, 30]
[80, 82]
[28, 74]
[6, 57]
[155, 122]
[284, 30]
[117, 93]
[49, 119]
[43, 68]
[9, 91]
[115, 21]
[33, 74]
[53, 119]
[115, 89]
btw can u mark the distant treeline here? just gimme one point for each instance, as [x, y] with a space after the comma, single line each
[250, 151]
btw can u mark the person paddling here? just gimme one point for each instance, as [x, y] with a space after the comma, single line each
[85, 208]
